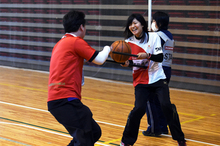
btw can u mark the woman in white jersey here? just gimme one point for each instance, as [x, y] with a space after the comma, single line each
[147, 80]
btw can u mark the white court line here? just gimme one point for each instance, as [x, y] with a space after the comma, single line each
[7, 103]
[111, 81]
[106, 80]
[31, 127]
[17, 142]
[127, 83]
[193, 140]
[96, 121]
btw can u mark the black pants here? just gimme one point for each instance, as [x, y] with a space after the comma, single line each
[155, 117]
[142, 94]
[77, 119]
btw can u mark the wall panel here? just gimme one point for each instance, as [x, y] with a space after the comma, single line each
[30, 28]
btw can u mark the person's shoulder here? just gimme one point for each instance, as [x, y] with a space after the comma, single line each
[74, 41]
[168, 33]
[76, 38]
[153, 35]
[79, 39]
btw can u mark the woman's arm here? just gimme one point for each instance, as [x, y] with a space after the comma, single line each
[156, 58]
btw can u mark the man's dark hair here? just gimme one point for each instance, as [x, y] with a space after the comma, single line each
[140, 18]
[72, 21]
[162, 20]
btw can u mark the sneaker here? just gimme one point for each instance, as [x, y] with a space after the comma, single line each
[181, 143]
[147, 133]
[123, 144]
[164, 132]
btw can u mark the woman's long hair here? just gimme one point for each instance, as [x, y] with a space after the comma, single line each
[162, 20]
[140, 18]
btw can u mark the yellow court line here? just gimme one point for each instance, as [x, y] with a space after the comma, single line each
[119, 139]
[108, 142]
[108, 101]
[23, 87]
[198, 117]
[192, 120]
[192, 115]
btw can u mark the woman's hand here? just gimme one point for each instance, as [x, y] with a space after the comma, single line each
[126, 64]
[143, 55]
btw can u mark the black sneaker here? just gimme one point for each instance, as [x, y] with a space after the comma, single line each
[148, 133]
[181, 143]
[164, 132]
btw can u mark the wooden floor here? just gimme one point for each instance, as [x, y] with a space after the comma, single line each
[25, 121]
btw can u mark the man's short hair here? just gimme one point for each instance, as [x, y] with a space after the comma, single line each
[72, 21]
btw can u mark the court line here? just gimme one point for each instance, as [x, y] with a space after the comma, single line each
[14, 141]
[40, 129]
[101, 122]
[106, 80]
[41, 126]
[107, 101]
[35, 89]
[23, 87]
[192, 115]
[7, 103]
[114, 140]
[193, 140]
[131, 84]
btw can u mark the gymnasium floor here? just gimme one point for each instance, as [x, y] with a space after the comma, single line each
[25, 121]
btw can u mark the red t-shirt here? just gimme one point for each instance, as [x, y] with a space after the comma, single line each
[66, 66]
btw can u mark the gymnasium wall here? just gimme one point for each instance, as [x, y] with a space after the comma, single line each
[30, 28]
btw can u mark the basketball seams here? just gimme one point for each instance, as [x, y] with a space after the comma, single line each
[116, 49]
[122, 50]
[121, 47]
[128, 46]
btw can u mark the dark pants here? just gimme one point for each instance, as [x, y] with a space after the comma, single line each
[155, 117]
[142, 94]
[77, 119]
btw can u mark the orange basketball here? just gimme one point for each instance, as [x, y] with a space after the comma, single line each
[120, 47]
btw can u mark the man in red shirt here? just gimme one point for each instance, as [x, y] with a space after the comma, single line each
[65, 81]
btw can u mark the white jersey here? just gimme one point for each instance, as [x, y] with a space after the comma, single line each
[154, 70]
[167, 49]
